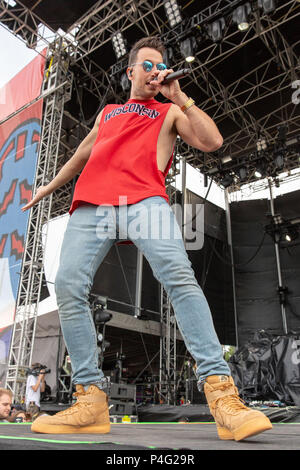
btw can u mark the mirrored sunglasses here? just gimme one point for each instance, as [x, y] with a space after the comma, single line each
[148, 65]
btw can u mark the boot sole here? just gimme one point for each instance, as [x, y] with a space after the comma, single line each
[251, 428]
[65, 429]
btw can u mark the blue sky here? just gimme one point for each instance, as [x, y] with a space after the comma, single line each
[14, 55]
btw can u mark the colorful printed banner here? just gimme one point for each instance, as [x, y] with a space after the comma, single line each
[19, 146]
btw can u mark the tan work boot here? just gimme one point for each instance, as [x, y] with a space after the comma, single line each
[233, 419]
[88, 415]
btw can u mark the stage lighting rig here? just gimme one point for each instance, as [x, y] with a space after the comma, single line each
[242, 173]
[240, 16]
[125, 83]
[226, 159]
[279, 160]
[227, 181]
[260, 169]
[187, 49]
[215, 30]
[169, 57]
[98, 306]
[102, 343]
[290, 235]
[173, 12]
[281, 136]
[283, 231]
[261, 144]
[268, 6]
[119, 45]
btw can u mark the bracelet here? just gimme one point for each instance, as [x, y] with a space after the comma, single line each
[190, 102]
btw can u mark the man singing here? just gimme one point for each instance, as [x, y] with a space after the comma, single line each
[124, 161]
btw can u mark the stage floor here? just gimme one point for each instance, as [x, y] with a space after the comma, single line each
[149, 436]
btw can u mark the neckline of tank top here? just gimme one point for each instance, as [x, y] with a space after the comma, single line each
[152, 101]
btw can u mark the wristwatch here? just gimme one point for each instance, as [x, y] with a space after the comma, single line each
[189, 103]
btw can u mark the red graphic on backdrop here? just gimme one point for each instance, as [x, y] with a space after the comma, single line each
[36, 137]
[25, 192]
[21, 145]
[8, 197]
[2, 243]
[17, 244]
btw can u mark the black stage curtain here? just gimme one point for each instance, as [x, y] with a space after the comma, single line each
[258, 306]
[213, 271]
[116, 278]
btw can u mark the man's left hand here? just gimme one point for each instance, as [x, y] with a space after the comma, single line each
[169, 91]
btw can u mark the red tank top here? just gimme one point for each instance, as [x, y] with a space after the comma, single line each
[123, 161]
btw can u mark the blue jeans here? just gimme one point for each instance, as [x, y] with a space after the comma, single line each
[152, 226]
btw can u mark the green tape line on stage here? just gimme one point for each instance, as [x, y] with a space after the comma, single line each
[55, 441]
[51, 440]
[170, 422]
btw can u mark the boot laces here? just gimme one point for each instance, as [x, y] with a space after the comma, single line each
[76, 406]
[232, 403]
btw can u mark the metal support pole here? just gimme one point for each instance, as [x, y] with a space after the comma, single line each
[229, 239]
[184, 197]
[168, 360]
[277, 254]
[138, 284]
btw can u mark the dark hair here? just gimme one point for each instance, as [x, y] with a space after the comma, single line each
[152, 42]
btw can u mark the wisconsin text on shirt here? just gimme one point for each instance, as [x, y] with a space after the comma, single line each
[137, 108]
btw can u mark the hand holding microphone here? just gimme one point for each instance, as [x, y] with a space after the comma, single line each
[175, 76]
[171, 92]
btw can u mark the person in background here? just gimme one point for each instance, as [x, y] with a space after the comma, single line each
[19, 417]
[35, 385]
[15, 410]
[6, 398]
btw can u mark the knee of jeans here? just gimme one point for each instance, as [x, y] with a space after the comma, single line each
[180, 274]
[68, 288]
[173, 276]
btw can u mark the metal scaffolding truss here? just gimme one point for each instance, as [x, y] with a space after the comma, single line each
[168, 324]
[106, 17]
[21, 21]
[57, 89]
[234, 99]
[168, 356]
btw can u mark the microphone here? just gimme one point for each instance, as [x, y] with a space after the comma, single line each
[176, 76]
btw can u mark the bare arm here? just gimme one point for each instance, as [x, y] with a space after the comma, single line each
[70, 169]
[40, 382]
[194, 126]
